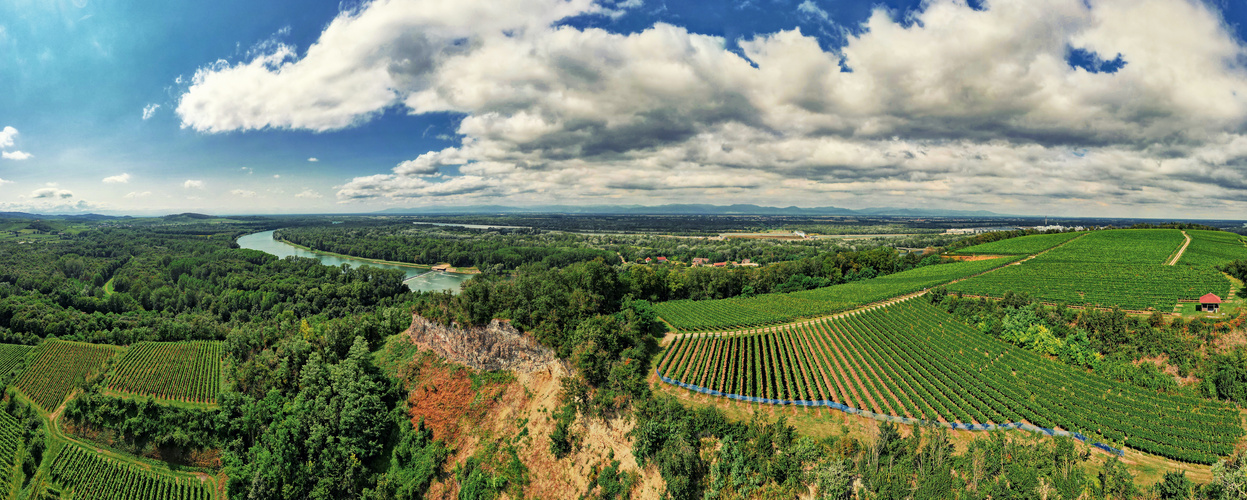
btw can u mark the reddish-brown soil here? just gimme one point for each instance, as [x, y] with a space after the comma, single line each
[442, 396]
[858, 386]
[892, 401]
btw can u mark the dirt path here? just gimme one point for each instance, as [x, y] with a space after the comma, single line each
[1181, 250]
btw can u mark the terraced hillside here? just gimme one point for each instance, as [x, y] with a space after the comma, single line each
[1115, 268]
[775, 308]
[915, 360]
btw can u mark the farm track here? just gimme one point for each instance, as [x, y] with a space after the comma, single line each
[1182, 250]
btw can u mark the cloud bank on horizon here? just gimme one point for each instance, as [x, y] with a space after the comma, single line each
[951, 104]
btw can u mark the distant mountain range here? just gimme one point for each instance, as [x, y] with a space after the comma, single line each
[686, 209]
[69, 217]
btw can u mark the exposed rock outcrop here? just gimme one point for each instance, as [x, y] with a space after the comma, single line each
[497, 346]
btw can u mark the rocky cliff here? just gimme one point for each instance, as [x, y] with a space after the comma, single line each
[497, 346]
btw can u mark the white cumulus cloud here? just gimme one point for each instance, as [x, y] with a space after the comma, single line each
[309, 193]
[117, 179]
[242, 193]
[313, 159]
[6, 136]
[51, 192]
[150, 110]
[138, 194]
[193, 184]
[943, 105]
[16, 155]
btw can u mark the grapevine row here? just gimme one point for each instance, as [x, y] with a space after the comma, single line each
[179, 371]
[89, 474]
[914, 360]
[57, 367]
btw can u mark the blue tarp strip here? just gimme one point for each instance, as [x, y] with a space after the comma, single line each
[876, 416]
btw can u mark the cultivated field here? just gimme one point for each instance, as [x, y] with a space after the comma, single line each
[57, 367]
[1025, 245]
[179, 371]
[1117, 268]
[11, 436]
[775, 308]
[1213, 248]
[915, 360]
[11, 356]
[92, 475]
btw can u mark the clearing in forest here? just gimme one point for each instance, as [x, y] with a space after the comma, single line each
[178, 371]
[913, 359]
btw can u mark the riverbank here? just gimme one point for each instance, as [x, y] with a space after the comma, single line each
[456, 270]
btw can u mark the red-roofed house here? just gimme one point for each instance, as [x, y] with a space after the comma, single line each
[1209, 303]
[662, 260]
[647, 260]
[720, 264]
[700, 261]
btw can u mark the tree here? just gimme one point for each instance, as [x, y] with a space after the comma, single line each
[1174, 486]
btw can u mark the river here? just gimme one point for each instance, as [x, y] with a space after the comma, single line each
[427, 282]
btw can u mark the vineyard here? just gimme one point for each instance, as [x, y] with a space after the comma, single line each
[775, 308]
[11, 433]
[11, 356]
[1213, 248]
[179, 371]
[58, 365]
[915, 360]
[87, 474]
[1024, 245]
[1117, 268]
[1119, 246]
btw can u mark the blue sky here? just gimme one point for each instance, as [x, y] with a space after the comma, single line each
[1041, 107]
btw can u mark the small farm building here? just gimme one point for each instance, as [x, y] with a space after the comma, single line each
[1209, 303]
